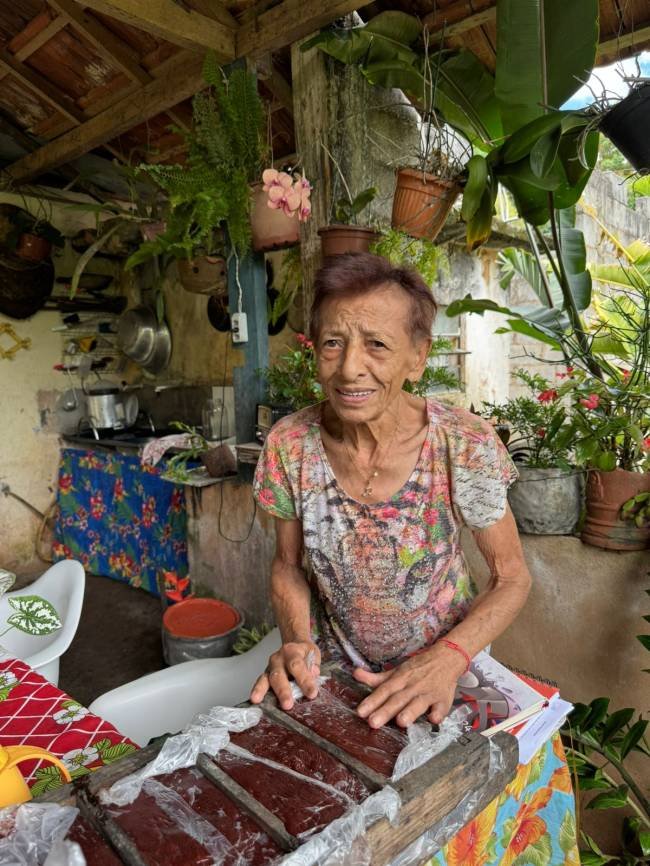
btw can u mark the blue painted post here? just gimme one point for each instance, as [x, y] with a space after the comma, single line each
[249, 386]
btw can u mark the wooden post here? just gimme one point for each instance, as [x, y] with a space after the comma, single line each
[248, 282]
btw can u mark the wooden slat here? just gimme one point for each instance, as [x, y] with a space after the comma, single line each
[40, 39]
[98, 817]
[247, 803]
[115, 50]
[371, 778]
[429, 793]
[40, 86]
[180, 81]
[437, 21]
[171, 21]
[638, 38]
[288, 22]
[281, 89]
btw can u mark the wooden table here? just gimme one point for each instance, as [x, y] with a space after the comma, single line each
[428, 794]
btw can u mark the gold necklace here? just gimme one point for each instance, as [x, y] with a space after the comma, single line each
[374, 472]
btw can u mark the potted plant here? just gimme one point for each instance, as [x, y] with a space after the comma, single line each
[292, 382]
[212, 189]
[547, 498]
[219, 461]
[344, 235]
[626, 123]
[34, 236]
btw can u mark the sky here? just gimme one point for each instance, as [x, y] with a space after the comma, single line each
[609, 78]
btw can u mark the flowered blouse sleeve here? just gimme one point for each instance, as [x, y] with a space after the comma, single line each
[481, 472]
[273, 487]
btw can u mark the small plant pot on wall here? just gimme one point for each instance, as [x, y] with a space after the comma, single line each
[627, 124]
[33, 248]
[422, 203]
[546, 501]
[205, 275]
[271, 228]
[338, 239]
[606, 493]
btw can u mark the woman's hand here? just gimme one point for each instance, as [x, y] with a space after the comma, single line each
[299, 660]
[424, 683]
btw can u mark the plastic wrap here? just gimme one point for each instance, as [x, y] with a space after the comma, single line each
[202, 831]
[65, 853]
[430, 842]
[31, 830]
[424, 743]
[207, 732]
[342, 842]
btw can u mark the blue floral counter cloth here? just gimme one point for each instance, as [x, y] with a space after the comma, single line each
[120, 519]
[532, 823]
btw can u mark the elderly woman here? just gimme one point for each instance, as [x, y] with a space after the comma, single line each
[374, 485]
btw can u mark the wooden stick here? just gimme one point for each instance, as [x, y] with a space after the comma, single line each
[96, 814]
[271, 825]
[371, 778]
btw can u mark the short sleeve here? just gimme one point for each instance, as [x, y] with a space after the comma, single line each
[272, 486]
[481, 472]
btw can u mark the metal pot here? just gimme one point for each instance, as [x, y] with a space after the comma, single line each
[109, 408]
[143, 339]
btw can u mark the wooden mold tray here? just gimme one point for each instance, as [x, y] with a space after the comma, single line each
[278, 783]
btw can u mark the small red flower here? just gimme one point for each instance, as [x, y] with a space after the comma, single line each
[591, 402]
[541, 432]
[547, 396]
[646, 444]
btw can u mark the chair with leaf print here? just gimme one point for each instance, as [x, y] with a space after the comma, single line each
[38, 622]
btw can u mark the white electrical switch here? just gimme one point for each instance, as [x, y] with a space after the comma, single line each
[239, 328]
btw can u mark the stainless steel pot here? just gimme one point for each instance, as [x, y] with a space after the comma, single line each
[108, 408]
[143, 339]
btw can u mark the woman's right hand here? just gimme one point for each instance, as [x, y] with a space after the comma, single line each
[299, 660]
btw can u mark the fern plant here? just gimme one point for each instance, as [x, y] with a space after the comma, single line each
[224, 156]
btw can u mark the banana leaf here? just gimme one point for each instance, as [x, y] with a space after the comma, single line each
[562, 35]
[517, 261]
[573, 253]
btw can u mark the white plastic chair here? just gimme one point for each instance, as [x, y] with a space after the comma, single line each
[166, 700]
[63, 586]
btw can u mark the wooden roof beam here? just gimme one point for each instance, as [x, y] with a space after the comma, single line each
[288, 22]
[103, 40]
[40, 86]
[40, 39]
[450, 22]
[640, 37]
[168, 20]
[181, 80]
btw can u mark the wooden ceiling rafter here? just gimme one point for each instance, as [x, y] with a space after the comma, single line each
[449, 22]
[40, 86]
[56, 24]
[180, 25]
[610, 50]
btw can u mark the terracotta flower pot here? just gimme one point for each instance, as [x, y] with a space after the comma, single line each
[205, 275]
[33, 248]
[606, 493]
[422, 202]
[338, 239]
[271, 229]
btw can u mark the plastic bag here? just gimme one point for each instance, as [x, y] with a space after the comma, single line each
[30, 832]
[431, 841]
[342, 843]
[207, 732]
[65, 853]
[424, 743]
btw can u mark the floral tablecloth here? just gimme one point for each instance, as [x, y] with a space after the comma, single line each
[531, 822]
[36, 713]
[120, 519]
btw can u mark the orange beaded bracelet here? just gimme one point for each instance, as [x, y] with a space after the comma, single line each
[454, 646]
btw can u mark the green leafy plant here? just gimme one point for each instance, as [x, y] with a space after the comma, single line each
[178, 468]
[347, 209]
[436, 377]
[247, 638]
[290, 284]
[540, 421]
[424, 256]
[34, 615]
[24, 222]
[599, 744]
[292, 380]
[224, 156]
[637, 508]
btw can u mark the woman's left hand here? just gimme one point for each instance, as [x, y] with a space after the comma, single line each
[424, 683]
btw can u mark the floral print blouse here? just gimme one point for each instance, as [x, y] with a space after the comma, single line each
[387, 578]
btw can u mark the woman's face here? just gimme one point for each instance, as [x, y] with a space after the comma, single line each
[366, 352]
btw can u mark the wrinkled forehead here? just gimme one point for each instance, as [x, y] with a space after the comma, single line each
[383, 309]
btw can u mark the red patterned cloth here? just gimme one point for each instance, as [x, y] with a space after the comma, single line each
[36, 713]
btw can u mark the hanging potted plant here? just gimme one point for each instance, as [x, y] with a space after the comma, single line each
[34, 237]
[212, 190]
[344, 235]
[547, 498]
[626, 123]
